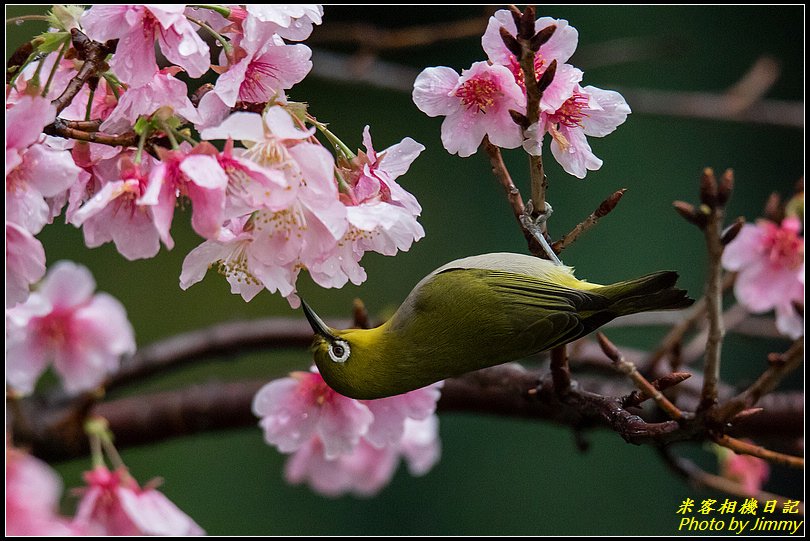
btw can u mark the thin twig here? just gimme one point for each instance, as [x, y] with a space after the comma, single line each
[767, 382]
[676, 334]
[714, 292]
[744, 448]
[512, 193]
[639, 380]
[689, 470]
[603, 210]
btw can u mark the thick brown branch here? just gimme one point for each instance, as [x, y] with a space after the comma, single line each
[560, 372]
[94, 55]
[61, 128]
[224, 339]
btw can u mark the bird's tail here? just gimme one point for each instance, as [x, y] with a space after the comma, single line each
[655, 291]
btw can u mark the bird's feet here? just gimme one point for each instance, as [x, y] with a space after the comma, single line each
[535, 227]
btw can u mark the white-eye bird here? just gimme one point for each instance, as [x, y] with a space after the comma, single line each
[477, 312]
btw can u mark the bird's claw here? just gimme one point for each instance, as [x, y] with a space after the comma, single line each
[535, 227]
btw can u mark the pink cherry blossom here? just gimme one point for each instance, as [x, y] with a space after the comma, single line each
[294, 409]
[266, 67]
[290, 21]
[307, 232]
[33, 490]
[381, 214]
[84, 335]
[769, 258]
[24, 122]
[363, 472]
[192, 173]
[560, 47]
[367, 469]
[114, 504]
[104, 101]
[25, 263]
[137, 27]
[37, 186]
[37, 167]
[420, 444]
[248, 267]
[589, 112]
[390, 414]
[476, 104]
[340, 444]
[115, 211]
[163, 91]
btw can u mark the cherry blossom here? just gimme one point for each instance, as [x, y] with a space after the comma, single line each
[25, 263]
[33, 490]
[113, 504]
[476, 104]
[247, 265]
[340, 444]
[137, 27]
[192, 173]
[115, 212]
[37, 167]
[63, 322]
[290, 21]
[163, 92]
[266, 67]
[381, 214]
[294, 409]
[590, 111]
[769, 259]
[391, 414]
[36, 187]
[367, 469]
[559, 47]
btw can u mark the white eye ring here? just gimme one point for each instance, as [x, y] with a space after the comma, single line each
[339, 351]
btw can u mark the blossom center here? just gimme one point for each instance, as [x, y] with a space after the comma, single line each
[571, 112]
[784, 246]
[54, 329]
[254, 88]
[478, 92]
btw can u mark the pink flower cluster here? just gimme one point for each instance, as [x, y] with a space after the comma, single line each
[63, 323]
[341, 445]
[281, 204]
[477, 102]
[769, 260]
[112, 503]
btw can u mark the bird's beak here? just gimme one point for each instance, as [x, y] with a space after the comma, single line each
[317, 324]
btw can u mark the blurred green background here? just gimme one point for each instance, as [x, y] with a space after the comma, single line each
[496, 476]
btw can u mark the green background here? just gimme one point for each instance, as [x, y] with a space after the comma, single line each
[496, 476]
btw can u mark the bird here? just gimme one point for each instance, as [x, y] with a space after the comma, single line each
[474, 313]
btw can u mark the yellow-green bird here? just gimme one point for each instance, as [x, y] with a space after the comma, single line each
[477, 312]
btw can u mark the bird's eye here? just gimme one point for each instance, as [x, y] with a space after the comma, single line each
[339, 351]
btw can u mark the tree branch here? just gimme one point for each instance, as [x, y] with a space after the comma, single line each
[603, 210]
[744, 448]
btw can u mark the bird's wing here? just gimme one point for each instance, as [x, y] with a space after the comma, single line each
[543, 312]
[519, 264]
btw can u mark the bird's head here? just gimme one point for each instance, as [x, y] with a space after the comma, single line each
[344, 357]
